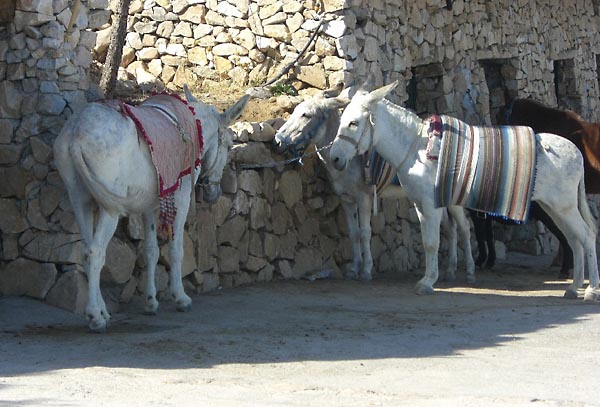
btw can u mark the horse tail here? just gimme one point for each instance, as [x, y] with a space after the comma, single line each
[103, 196]
[584, 208]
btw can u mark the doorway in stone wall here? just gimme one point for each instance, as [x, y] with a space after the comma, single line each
[500, 77]
[565, 85]
[7, 15]
[425, 90]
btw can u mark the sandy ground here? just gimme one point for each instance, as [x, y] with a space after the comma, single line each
[510, 340]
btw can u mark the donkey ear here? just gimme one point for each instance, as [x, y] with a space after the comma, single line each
[380, 93]
[234, 112]
[337, 103]
[334, 92]
[368, 84]
[188, 94]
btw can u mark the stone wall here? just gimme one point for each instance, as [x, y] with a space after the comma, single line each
[270, 223]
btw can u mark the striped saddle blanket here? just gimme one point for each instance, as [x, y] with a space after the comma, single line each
[489, 169]
[174, 136]
[382, 174]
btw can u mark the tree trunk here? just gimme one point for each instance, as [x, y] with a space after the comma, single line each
[115, 48]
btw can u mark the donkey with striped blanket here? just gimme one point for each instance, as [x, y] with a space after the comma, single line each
[315, 122]
[401, 138]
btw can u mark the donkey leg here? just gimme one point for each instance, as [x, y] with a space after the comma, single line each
[575, 230]
[430, 219]
[479, 227]
[182, 202]
[151, 253]
[95, 311]
[351, 213]
[449, 227]
[490, 242]
[464, 228]
[364, 219]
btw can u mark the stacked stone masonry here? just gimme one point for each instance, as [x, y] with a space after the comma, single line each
[282, 222]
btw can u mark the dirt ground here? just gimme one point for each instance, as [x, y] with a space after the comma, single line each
[509, 340]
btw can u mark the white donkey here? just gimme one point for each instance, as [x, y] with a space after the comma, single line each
[315, 121]
[400, 137]
[104, 162]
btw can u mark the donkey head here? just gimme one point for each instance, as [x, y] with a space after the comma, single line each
[355, 134]
[310, 121]
[218, 139]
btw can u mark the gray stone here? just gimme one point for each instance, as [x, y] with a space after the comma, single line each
[254, 263]
[228, 259]
[12, 220]
[26, 277]
[51, 104]
[284, 268]
[119, 263]
[34, 215]
[260, 211]
[40, 150]
[290, 188]
[265, 274]
[250, 182]
[271, 246]
[13, 180]
[10, 100]
[23, 19]
[194, 14]
[210, 282]
[231, 231]
[53, 247]
[69, 292]
[313, 75]
[10, 154]
[280, 218]
[251, 153]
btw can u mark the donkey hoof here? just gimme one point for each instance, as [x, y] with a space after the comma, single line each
[570, 295]
[351, 275]
[184, 307]
[422, 289]
[366, 277]
[98, 326]
[150, 311]
[591, 294]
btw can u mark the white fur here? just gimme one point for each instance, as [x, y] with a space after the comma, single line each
[558, 187]
[103, 163]
[315, 121]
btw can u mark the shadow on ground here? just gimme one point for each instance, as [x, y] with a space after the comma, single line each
[294, 321]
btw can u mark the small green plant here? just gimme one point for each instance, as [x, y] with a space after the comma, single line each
[283, 89]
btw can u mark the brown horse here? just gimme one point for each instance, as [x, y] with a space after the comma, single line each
[565, 123]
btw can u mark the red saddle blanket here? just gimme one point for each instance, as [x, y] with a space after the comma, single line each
[166, 122]
[174, 135]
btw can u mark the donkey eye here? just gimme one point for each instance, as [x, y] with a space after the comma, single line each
[306, 115]
[353, 124]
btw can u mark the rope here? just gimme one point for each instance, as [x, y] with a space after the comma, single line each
[288, 161]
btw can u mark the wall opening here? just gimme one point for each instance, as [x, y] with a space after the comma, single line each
[500, 77]
[565, 85]
[7, 14]
[425, 90]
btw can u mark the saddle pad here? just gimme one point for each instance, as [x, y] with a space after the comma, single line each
[489, 169]
[174, 136]
[382, 173]
[163, 121]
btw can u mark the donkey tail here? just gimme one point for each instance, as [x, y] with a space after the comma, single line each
[110, 201]
[584, 208]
